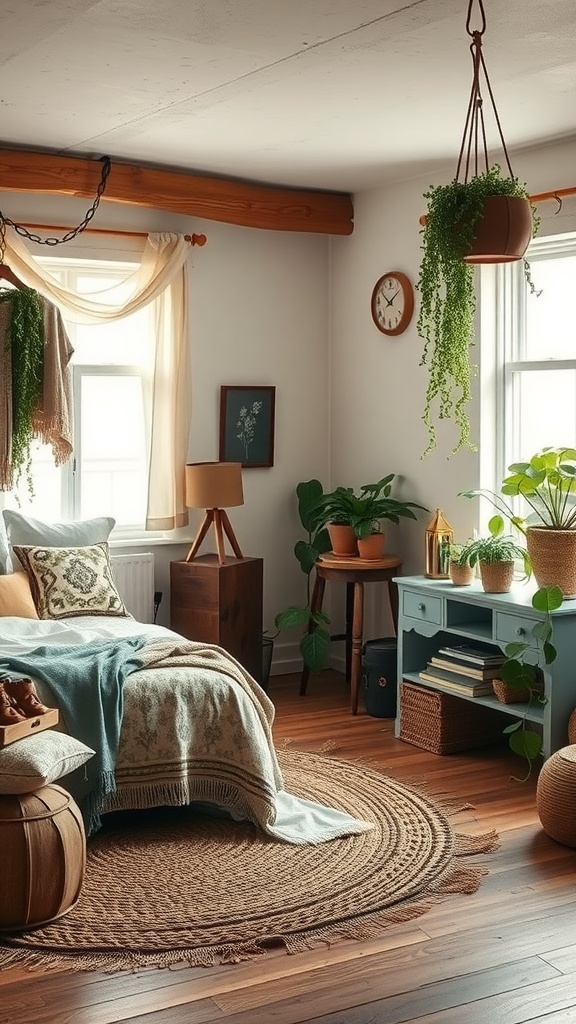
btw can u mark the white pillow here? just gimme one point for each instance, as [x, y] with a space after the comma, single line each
[37, 761]
[25, 530]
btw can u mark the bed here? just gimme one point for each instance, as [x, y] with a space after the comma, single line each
[195, 727]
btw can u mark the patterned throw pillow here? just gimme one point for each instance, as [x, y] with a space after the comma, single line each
[71, 581]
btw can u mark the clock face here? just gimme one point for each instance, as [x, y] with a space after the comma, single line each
[392, 303]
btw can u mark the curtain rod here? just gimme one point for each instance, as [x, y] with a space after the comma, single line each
[540, 197]
[193, 239]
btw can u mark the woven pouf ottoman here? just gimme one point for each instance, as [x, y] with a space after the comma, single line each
[572, 727]
[42, 857]
[556, 796]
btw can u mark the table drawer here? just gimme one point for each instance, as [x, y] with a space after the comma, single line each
[423, 607]
[513, 629]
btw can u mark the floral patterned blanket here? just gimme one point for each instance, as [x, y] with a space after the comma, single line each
[196, 728]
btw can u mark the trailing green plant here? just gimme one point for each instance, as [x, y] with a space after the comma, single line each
[315, 641]
[26, 345]
[364, 511]
[523, 670]
[448, 301]
[498, 547]
[547, 482]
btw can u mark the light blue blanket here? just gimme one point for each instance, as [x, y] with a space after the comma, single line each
[87, 682]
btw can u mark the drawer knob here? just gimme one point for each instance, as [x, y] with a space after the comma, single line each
[421, 607]
[520, 631]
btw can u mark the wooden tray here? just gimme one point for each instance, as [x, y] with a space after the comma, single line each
[18, 731]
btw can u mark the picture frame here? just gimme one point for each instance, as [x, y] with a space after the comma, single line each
[247, 414]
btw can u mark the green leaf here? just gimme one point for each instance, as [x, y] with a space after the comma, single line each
[526, 743]
[319, 618]
[293, 616]
[309, 493]
[496, 525]
[550, 653]
[547, 599]
[306, 555]
[315, 648]
[512, 728]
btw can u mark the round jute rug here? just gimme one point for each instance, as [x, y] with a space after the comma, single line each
[177, 886]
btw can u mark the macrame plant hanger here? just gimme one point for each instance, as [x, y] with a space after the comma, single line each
[503, 234]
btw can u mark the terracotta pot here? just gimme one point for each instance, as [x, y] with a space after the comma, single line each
[496, 577]
[553, 557]
[343, 539]
[461, 575]
[504, 231]
[372, 546]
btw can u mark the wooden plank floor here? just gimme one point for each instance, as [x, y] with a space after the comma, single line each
[506, 954]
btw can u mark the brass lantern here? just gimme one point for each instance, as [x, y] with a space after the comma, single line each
[439, 537]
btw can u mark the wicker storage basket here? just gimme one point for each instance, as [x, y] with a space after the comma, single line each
[444, 724]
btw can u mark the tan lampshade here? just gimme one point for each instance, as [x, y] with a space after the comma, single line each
[214, 484]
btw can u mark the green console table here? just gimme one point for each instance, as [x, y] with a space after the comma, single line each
[435, 613]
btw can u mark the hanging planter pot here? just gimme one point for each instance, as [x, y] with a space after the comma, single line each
[481, 216]
[503, 230]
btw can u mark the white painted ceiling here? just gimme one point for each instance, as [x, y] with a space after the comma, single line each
[330, 94]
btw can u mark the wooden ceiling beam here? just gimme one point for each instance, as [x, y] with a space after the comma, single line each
[234, 202]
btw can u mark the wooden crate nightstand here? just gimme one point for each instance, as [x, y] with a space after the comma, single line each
[220, 604]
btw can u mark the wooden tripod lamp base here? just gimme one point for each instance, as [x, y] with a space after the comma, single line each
[222, 526]
[214, 486]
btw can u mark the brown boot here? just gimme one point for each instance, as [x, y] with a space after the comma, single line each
[8, 713]
[24, 696]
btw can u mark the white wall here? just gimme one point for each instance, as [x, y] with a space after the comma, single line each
[377, 385]
[258, 315]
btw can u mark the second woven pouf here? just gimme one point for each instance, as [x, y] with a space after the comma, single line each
[556, 796]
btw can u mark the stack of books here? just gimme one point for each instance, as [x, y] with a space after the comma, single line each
[466, 669]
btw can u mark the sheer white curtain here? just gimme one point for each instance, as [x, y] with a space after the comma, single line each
[160, 278]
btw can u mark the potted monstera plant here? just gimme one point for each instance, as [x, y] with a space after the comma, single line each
[458, 232]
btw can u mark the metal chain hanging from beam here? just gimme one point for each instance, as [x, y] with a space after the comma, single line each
[32, 237]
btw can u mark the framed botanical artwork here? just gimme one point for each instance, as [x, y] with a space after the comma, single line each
[247, 424]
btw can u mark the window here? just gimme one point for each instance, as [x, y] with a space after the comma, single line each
[535, 364]
[112, 368]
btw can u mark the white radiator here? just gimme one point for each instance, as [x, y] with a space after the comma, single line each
[134, 577]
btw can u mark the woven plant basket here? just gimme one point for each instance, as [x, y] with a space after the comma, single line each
[507, 694]
[461, 575]
[553, 557]
[444, 724]
[556, 796]
[497, 577]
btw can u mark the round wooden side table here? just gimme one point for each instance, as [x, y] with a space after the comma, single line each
[354, 572]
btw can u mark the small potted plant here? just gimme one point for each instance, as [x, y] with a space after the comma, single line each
[547, 483]
[446, 284]
[364, 512]
[461, 572]
[495, 557]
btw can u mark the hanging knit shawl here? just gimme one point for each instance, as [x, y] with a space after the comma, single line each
[35, 394]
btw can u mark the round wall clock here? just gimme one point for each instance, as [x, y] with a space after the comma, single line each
[392, 303]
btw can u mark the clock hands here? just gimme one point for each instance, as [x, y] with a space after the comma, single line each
[390, 301]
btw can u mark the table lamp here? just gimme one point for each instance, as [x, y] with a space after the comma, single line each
[214, 486]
